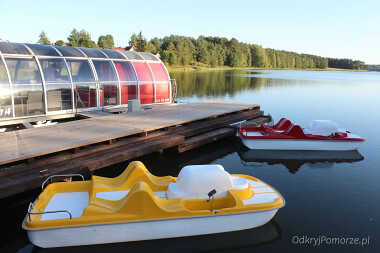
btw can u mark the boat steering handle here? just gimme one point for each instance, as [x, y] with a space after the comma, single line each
[67, 175]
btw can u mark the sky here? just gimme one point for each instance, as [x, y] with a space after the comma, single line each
[337, 29]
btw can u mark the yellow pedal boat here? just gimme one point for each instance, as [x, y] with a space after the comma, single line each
[137, 205]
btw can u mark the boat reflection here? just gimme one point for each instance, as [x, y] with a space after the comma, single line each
[223, 242]
[294, 160]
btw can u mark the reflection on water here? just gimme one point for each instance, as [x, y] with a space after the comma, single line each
[223, 242]
[213, 83]
[339, 199]
[293, 160]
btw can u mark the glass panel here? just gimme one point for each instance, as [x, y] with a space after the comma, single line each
[132, 55]
[128, 91]
[109, 94]
[27, 86]
[13, 48]
[80, 71]
[148, 56]
[5, 94]
[84, 82]
[43, 50]
[162, 92]
[159, 72]
[69, 51]
[143, 71]
[92, 52]
[125, 71]
[113, 54]
[57, 82]
[146, 93]
[105, 71]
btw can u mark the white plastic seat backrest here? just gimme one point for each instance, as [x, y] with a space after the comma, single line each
[322, 127]
[196, 181]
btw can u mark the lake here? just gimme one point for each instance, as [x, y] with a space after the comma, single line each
[328, 195]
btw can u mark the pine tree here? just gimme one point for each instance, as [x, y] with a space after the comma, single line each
[133, 40]
[43, 39]
[73, 39]
[141, 42]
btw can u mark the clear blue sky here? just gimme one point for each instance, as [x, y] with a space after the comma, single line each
[342, 29]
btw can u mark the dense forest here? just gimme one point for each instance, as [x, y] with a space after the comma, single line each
[214, 52]
[346, 64]
[204, 51]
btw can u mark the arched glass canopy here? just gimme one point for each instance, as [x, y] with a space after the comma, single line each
[37, 80]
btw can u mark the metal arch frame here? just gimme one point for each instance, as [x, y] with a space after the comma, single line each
[89, 60]
[80, 51]
[117, 76]
[10, 85]
[134, 82]
[118, 80]
[70, 77]
[137, 81]
[92, 57]
[167, 75]
[69, 73]
[154, 80]
[142, 82]
[148, 53]
[125, 57]
[42, 78]
[170, 84]
[96, 79]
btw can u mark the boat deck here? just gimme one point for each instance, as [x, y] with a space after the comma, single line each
[76, 202]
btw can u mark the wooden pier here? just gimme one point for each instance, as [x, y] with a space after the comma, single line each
[29, 156]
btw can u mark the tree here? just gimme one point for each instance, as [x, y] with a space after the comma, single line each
[157, 43]
[43, 39]
[106, 42]
[85, 40]
[141, 43]
[59, 43]
[259, 58]
[133, 40]
[73, 39]
[150, 48]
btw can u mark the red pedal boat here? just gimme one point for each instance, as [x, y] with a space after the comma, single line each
[320, 135]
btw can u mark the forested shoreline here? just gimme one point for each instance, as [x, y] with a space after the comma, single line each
[183, 51]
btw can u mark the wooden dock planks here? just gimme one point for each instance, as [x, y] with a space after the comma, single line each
[29, 143]
[116, 138]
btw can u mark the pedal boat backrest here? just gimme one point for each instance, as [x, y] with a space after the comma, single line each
[196, 181]
[282, 124]
[136, 171]
[322, 127]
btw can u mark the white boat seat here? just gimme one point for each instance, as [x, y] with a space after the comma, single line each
[196, 181]
[321, 127]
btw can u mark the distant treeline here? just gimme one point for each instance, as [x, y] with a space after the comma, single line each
[211, 52]
[374, 67]
[214, 51]
[347, 64]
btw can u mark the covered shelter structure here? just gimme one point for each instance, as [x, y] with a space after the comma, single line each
[48, 81]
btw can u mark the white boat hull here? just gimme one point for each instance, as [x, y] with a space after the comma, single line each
[272, 144]
[148, 230]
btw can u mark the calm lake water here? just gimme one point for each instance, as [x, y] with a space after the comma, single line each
[332, 195]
